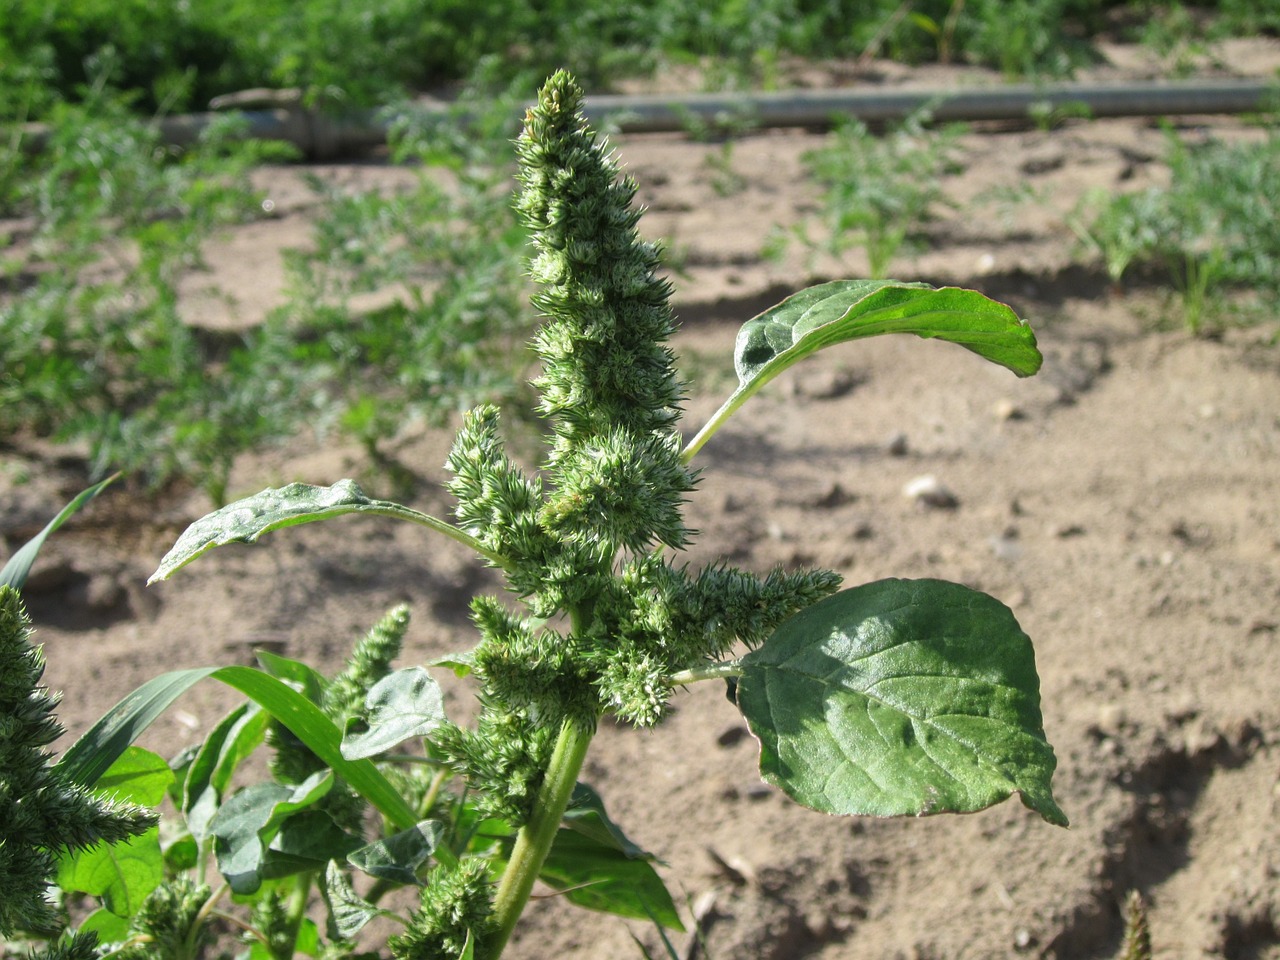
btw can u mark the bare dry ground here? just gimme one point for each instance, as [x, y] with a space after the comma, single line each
[1124, 504]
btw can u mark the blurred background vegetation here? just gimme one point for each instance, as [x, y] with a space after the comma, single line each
[100, 226]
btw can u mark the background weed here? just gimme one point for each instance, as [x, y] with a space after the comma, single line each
[443, 261]
[878, 190]
[1214, 227]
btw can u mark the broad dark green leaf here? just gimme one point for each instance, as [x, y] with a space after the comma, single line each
[586, 815]
[900, 697]
[90, 756]
[14, 573]
[305, 842]
[249, 820]
[246, 520]
[599, 876]
[399, 857]
[404, 704]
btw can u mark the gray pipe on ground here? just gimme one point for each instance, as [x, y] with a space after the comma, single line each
[320, 135]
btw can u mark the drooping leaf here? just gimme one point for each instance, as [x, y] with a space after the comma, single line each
[845, 310]
[586, 815]
[246, 520]
[599, 876]
[398, 857]
[250, 819]
[122, 874]
[14, 573]
[89, 757]
[404, 704]
[308, 678]
[900, 697]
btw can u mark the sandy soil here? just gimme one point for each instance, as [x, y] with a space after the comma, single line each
[1123, 503]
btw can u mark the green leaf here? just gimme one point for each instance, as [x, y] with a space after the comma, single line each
[90, 756]
[462, 664]
[230, 742]
[246, 520]
[122, 874]
[137, 776]
[109, 927]
[585, 814]
[599, 876]
[250, 819]
[845, 310]
[348, 911]
[309, 679]
[398, 857]
[404, 704]
[14, 573]
[900, 697]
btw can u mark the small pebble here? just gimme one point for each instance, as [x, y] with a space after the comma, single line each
[1006, 409]
[1110, 719]
[897, 445]
[931, 492]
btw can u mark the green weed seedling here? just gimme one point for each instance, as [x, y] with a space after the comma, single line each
[95, 349]
[443, 257]
[1214, 228]
[877, 191]
[893, 698]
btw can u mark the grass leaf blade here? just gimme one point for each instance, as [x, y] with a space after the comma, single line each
[90, 756]
[16, 570]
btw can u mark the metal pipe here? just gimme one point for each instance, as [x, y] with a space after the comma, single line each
[320, 135]
[819, 108]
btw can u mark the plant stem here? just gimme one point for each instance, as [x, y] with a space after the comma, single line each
[713, 671]
[534, 840]
[296, 909]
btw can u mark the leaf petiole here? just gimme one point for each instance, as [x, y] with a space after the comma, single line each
[713, 671]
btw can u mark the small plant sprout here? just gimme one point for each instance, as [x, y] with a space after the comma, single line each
[893, 698]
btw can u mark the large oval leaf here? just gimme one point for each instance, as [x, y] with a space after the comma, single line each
[844, 310]
[900, 697]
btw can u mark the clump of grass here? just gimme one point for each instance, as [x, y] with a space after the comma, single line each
[878, 191]
[96, 352]
[1214, 229]
[443, 256]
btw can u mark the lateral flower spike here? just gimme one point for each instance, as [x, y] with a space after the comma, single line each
[608, 380]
